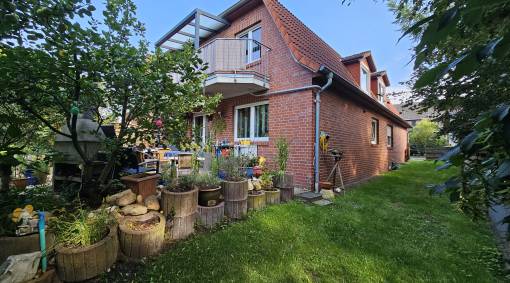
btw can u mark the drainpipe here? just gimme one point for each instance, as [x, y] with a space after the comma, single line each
[317, 128]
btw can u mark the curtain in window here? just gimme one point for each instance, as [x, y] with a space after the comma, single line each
[261, 121]
[243, 123]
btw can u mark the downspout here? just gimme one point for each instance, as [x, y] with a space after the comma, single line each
[317, 128]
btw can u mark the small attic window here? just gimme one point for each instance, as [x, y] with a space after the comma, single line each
[364, 80]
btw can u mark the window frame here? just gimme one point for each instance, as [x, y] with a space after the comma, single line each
[252, 121]
[249, 33]
[390, 139]
[203, 133]
[367, 80]
[376, 136]
[381, 94]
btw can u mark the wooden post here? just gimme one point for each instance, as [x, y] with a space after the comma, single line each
[236, 195]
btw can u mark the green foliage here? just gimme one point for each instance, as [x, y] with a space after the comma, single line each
[81, 228]
[231, 166]
[183, 183]
[484, 156]
[282, 154]
[215, 166]
[426, 134]
[42, 198]
[207, 181]
[266, 181]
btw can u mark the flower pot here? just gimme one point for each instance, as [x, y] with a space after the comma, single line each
[23, 244]
[257, 201]
[209, 197]
[138, 243]
[141, 184]
[257, 171]
[183, 207]
[286, 194]
[212, 215]
[283, 181]
[273, 197]
[248, 172]
[236, 196]
[78, 264]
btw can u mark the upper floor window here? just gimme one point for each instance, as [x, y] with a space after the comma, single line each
[381, 91]
[365, 80]
[253, 49]
[374, 131]
[389, 135]
[251, 121]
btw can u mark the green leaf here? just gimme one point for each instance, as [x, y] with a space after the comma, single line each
[503, 169]
[450, 153]
[467, 142]
[500, 113]
[416, 26]
[13, 131]
[488, 49]
[429, 76]
[447, 18]
[451, 66]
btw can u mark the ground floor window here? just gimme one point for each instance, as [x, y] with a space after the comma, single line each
[389, 135]
[251, 121]
[374, 131]
[200, 128]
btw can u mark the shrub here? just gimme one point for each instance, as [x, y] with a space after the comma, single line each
[207, 181]
[282, 155]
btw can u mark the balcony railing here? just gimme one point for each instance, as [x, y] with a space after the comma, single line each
[236, 56]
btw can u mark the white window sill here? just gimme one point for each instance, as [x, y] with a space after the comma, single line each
[266, 139]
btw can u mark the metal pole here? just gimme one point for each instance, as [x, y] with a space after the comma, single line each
[317, 128]
[197, 30]
[42, 241]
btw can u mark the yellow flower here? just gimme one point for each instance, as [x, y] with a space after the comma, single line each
[262, 160]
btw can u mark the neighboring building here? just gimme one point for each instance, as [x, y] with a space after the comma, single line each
[412, 115]
[269, 67]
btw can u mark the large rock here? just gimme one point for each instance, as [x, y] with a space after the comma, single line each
[126, 199]
[20, 268]
[134, 209]
[152, 202]
[112, 200]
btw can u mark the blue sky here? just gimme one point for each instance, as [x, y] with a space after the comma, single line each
[364, 25]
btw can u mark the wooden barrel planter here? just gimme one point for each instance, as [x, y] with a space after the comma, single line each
[140, 242]
[283, 181]
[286, 194]
[236, 198]
[78, 264]
[183, 207]
[257, 201]
[211, 215]
[23, 244]
[272, 197]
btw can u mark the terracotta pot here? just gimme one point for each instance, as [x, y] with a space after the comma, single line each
[209, 197]
[257, 171]
[20, 183]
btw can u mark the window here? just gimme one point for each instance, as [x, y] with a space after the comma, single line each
[200, 128]
[365, 80]
[253, 50]
[389, 135]
[251, 122]
[381, 91]
[374, 132]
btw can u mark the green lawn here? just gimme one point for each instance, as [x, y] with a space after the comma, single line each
[387, 230]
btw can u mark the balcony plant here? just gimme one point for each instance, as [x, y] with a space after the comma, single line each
[81, 236]
[179, 201]
[235, 187]
[209, 189]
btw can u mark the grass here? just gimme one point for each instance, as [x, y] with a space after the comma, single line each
[387, 230]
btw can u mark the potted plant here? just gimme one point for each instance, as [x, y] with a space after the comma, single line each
[179, 200]
[256, 196]
[209, 189]
[258, 170]
[281, 179]
[83, 236]
[247, 165]
[142, 235]
[272, 193]
[235, 187]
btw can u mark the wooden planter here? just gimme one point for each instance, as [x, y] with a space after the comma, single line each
[211, 215]
[236, 198]
[287, 194]
[138, 244]
[78, 264]
[273, 197]
[209, 197]
[20, 183]
[257, 202]
[22, 245]
[183, 206]
[283, 181]
[141, 184]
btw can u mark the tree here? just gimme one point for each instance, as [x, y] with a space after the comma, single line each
[426, 134]
[60, 61]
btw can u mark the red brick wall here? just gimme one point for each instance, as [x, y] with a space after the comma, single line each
[349, 127]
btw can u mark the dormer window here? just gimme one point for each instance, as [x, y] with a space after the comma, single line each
[365, 80]
[381, 91]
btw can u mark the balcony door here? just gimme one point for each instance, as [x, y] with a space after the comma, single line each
[200, 129]
[253, 49]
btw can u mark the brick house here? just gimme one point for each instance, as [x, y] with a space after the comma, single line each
[270, 67]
